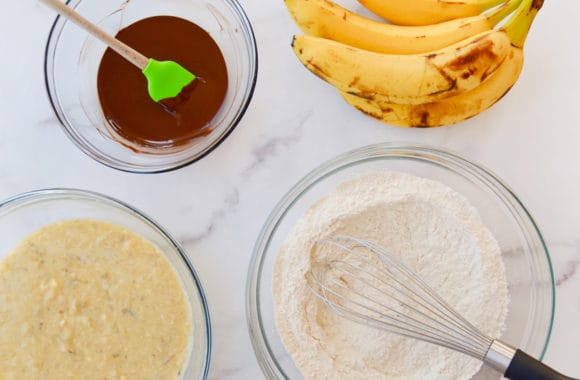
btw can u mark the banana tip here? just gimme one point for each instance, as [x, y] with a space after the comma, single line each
[537, 4]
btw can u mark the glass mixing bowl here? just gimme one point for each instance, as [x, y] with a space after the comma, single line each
[72, 60]
[526, 258]
[24, 214]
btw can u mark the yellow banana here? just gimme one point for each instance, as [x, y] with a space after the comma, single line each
[415, 78]
[466, 105]
[446, 111]
[426, 12]
[324, 18]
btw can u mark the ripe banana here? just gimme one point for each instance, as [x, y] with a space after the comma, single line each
[323, 18]
[463, 106]
[416, 78]
[446, 111]
[426, 12]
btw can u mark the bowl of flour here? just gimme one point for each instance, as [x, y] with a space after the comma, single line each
[453, 222]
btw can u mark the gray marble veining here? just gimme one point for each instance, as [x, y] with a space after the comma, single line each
[294, 123]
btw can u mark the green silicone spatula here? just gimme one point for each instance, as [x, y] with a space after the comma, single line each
[165, 79]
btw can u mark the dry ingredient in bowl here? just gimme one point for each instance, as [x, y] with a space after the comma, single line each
[436, 232]
[85, 299]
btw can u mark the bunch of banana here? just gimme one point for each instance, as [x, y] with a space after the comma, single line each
[418, 76]
[323, 18]
[426, 12]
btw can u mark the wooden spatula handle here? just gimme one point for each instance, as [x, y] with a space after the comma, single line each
[125, 51]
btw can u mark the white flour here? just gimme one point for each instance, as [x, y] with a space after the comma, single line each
[436, 232]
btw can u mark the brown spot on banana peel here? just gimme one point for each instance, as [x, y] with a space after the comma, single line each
[362, 94]
[423, 121]
[368, 113]
[317, 70]
[483, 52]
[420, 116]
[369, 110]
[424, 118]
[372, 96]
[452, 81]
[452, 86]
[372, 109]
[384, 109]
[537, 4]
[489, 72]
[365, 96]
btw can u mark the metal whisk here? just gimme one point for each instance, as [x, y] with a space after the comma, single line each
[360, 281]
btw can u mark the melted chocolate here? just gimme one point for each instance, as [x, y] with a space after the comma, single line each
[123, 92]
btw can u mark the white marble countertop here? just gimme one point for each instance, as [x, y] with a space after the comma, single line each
[217, 206]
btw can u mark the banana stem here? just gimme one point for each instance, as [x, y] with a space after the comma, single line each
[504, 10]
[519, 24]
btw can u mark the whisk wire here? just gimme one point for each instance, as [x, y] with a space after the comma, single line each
[424, 293]
[416, 323]
[345, 313]
[375, 318]
[409, 278]
[385, 294]
[429, 308]
[383, 255]
[412, 278]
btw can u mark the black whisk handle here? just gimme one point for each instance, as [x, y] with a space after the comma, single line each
[525, 367]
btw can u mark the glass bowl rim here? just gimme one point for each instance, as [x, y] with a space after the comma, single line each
[61, 193]
[419, 152]
[72, 135]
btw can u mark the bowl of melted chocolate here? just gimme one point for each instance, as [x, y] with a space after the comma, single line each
[102, 101]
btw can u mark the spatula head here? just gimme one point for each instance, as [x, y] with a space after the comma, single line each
[166, 79]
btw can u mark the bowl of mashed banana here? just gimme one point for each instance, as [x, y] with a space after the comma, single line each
[92, 288]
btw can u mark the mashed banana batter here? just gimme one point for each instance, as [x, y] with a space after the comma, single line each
[86, 299]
